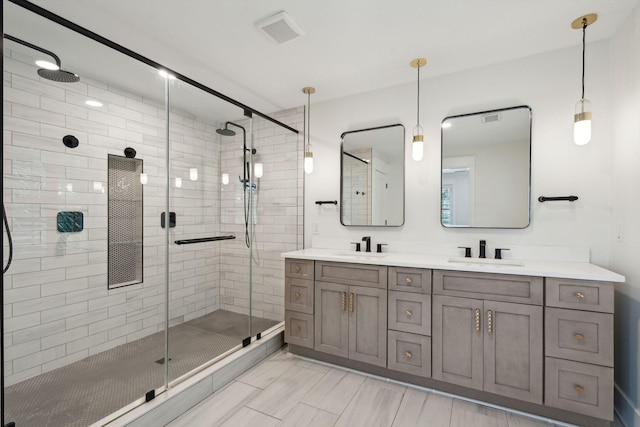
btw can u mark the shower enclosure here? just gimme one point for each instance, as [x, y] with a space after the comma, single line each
[145, 241]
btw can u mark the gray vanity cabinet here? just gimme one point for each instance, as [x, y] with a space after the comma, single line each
[489, 345]
[579, 346]
[351, 311]
[298, 302]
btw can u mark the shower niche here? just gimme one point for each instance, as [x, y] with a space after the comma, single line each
[125, 221]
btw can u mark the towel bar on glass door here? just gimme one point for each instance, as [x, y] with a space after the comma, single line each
[203, 239]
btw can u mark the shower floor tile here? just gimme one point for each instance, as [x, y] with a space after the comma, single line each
[83, 392]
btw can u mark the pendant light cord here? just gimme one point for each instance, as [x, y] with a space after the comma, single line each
[418, 114]
[584, 28]
[308, 119]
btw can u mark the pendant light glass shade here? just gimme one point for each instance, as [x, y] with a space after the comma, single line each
[308, 161]
[582, 122]
[582, 116]
[417, 146]
[308, 154]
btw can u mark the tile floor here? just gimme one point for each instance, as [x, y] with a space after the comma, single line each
[285, 390]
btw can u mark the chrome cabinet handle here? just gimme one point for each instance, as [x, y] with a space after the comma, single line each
[408, 355]
[579, 295]
[579, 337]
[408, 281]
[408, 313]
[489, 321]
[351, 298]
[477, 320]
[343, 306]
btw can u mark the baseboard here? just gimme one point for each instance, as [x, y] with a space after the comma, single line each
[625, 410]
[177, 400]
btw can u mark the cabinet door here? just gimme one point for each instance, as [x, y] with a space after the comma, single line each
[457, 341]
[513, 353]
[368, 325]
[331, 319]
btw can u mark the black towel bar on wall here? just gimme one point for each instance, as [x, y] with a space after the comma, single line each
[326, 202]
[557, 199]
[203, 239]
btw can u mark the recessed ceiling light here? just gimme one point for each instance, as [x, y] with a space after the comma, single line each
[47, 65]
[166, 75]
[92, 103]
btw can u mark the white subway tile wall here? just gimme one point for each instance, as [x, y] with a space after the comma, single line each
[58, 309]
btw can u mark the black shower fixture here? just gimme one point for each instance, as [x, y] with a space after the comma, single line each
[129, 153]
[70, 141]
[58, 74]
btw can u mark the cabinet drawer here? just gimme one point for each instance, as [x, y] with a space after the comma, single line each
[298, 295]
[410, 312]
[298, 328]
[579, 335]
[579, 387]
[409, 353]
[410, 280]
[496, 287]
[300, 268]
[352, 274]
[580, 294]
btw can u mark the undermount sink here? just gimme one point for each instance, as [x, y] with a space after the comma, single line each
[487, 261]
[362, 255]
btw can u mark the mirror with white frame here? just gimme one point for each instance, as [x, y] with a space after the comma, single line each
[372, 177]
[486, 169]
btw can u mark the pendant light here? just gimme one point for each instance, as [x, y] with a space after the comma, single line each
[308, 154]
[582, 116]
[417, 146]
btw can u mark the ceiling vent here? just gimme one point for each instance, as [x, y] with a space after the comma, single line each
[280, 28]
[490, 118]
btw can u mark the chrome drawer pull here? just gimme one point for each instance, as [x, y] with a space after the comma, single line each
[409, 313]
[343, 306]
[408, 281]
[579, 389]
[297, 295]
[579, 337]
[477, 320]
[579, 295]
[489, 321]
[408, 355]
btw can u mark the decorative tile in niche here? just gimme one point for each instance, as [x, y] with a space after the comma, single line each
[125, 221]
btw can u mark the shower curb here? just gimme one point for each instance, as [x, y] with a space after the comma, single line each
[179, 399]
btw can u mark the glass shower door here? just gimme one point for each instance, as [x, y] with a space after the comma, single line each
[83, 187]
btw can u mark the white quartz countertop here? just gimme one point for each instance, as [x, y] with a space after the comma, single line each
[560, 269]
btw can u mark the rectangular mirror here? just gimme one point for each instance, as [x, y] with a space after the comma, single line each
[486, 169]
[372, 177]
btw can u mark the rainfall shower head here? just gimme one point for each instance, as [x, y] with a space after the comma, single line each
[58, 74]
[225, 131]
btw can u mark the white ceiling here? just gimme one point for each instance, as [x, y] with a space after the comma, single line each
[349, 46]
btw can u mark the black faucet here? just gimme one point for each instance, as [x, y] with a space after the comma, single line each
[483, 246]
[367, 240]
